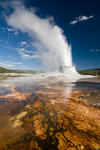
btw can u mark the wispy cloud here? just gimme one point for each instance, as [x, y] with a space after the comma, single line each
[9, 30]
[24, 43]
[17, 63]
[6, 65]
[9, 64]
[94, 50]
[81, 18]
[16, 32]
[25, 54]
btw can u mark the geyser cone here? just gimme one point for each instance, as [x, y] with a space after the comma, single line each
[69, 71]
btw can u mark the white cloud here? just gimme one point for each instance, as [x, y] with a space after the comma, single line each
[6, 65]
[94, 50]
[10, 29]
[49, 42]
[81, 18]
[23, 43]
[17, 63]
[16, 32]
[9, 64]
[25, 54]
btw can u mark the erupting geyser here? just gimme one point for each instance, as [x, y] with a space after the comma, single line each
[49, 42]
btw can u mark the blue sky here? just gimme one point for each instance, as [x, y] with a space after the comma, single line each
[80, 21]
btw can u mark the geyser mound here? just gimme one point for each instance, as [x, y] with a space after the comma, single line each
[69, 71]
[64, 73]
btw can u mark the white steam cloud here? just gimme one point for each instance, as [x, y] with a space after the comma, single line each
[48, 39]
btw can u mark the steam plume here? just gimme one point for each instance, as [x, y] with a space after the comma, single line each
[49, 41]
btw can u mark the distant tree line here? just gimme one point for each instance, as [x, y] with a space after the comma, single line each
[4, 70]
[94, 72]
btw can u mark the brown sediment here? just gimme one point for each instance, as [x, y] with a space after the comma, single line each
[39, 129]
[15, 121]
[14, 93]
[51, 120]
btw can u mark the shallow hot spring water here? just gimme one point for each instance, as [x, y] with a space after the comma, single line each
[49, 114]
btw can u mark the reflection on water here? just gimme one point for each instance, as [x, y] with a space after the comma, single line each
[49, 114]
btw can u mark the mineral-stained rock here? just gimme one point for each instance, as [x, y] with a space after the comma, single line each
[39, 129]
[34, 145]
[49, 119]
[62, 143]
